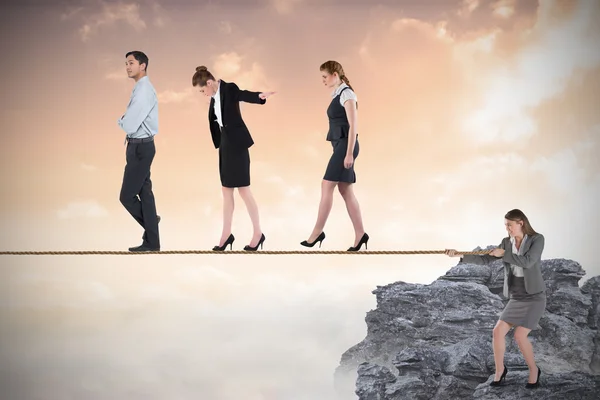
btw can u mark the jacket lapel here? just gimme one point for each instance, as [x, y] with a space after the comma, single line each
[222, 97]
[507, 248]
[525, 246]
[211, 110]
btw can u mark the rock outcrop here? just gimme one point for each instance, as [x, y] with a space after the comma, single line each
[435, 341]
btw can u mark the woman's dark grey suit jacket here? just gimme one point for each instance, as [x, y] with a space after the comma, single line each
[530, 260]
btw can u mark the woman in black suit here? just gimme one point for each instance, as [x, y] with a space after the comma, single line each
[343, 135]
[231, 136]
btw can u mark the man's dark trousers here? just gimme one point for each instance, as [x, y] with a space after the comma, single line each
[136, 182]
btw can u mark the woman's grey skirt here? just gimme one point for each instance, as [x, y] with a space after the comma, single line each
[523, 309]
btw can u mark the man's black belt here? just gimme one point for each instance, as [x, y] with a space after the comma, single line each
[140, 140]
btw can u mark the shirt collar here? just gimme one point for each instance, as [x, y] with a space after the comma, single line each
[339, 89]
[512, 239]
[142, 79]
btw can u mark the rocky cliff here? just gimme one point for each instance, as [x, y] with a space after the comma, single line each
[435, 341]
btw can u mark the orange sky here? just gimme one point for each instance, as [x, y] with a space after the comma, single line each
[467, 110]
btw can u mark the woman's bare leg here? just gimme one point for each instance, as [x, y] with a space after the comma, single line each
[353, 209]
[527, 350]
[252, 207]
[325, 205]
[228, 206]
[499, 344]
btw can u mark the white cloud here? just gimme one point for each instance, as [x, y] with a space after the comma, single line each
[484, 169]
[438, 29]
[284, 6]
[161, 17]
[503, 8]
[541, 71]
[562, 170]
[566, 171]
[311, 151]
[88, 167]
[467, 7]
[229, 67]
[171, 96]
[161, 292]
[402, 34]
[70, 13]
[117, 75]
[109, 14]
[207, 274]
[82, 209]
[57, 291]
[467, 49]
[148, 324]
[225, 27]
[228, 64]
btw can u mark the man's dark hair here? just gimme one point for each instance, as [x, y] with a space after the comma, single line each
[140, 57]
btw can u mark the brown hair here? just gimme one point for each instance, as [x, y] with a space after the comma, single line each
[517, 216]
[334, 66]
[201, 75]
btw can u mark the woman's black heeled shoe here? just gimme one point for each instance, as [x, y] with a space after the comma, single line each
[260, 243]
[229, 242]
[537, 381]
[499, 382]
[364, 239]
[319, 239]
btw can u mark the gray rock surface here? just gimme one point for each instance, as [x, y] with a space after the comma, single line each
[435, 341]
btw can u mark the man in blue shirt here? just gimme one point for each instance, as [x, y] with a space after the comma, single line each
[140, 123]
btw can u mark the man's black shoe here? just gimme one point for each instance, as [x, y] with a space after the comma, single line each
[144, 247]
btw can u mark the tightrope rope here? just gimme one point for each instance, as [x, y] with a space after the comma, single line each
[264, 252]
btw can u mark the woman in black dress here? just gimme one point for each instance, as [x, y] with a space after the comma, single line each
[231, 136]
[342, 113]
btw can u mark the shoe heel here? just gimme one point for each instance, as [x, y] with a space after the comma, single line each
[228, 242]
[537, 382]
[502, 378]
[364, 239]
[260, 243]
[319, 239]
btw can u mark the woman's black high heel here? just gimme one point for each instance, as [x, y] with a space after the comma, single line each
[499, 382]
[319, 239]
[364, 239]
[229, 242]
[537, 381]
[260, 243]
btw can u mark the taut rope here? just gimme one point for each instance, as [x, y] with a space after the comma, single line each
[265, 252]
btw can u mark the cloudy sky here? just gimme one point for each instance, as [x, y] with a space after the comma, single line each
[467, 110]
